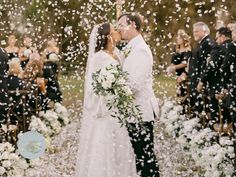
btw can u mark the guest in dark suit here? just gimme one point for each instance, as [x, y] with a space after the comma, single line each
[229, 68]
[228, 76]
[212, 76]
[230, 60]
[4, 100]
[197, 64]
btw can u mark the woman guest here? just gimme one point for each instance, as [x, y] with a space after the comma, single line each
[12, 49]
[50, 71]
[51, 54]
[180, 58]
[25, 51]
[14, 83]
[34, 81]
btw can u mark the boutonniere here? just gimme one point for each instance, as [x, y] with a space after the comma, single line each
[126, 51]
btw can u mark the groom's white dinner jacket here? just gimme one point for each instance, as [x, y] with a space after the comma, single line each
[138, 62]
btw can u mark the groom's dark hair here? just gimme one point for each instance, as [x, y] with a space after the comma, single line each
[133, 17]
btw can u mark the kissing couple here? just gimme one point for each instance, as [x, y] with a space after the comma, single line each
[107, 149]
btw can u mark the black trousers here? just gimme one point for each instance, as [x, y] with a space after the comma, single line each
[214, 110]
[142, 142]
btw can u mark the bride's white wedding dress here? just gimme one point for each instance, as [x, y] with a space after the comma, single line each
[105, 149]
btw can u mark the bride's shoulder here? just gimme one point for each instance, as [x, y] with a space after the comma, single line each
[101, 56]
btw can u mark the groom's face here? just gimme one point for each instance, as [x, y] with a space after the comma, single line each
[124, 28]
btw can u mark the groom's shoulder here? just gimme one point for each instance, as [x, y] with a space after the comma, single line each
[144, 48]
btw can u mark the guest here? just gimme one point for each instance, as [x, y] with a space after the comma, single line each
[33, 80]
[14, 75]
[12, 49]
[50, 71]
[51, 53]
[231, 25]
[230, 60]
[179, 61]
[197, 64]
[4, 100]
[14, 83]
[228, 67]
[25, 51]
[212, 76]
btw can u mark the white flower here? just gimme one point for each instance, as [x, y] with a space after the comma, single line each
[22, 164]
[68, 30]
[60, 109]
[6, 163]
[27, 52]
[189, 125]
[110, 82]
[2, 170]
[37, 125]
[127, 90]
[225, 141]
[50, 116]
[53, 57]
[106, 84]
[126, 51]
[36, 162]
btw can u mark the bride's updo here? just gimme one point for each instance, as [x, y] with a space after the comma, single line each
[102, 36]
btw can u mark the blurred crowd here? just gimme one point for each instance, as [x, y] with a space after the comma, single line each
[206, 75]
[28, 79]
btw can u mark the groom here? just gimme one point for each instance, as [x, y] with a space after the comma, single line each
[138, 63]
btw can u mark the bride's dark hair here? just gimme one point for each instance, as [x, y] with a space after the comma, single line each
[102, 36]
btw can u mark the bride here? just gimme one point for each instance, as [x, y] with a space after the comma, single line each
[105, 149]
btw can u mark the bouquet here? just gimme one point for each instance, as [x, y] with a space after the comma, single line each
[111, 82]
[11, 164]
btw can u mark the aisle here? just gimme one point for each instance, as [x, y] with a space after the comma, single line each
[61, 163]
[173, 162]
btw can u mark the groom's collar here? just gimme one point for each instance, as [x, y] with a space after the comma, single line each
[135, 40]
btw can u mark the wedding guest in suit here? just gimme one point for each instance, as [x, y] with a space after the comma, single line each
[229, 69]
[230, 60]
[197, 64]
[212, 76]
